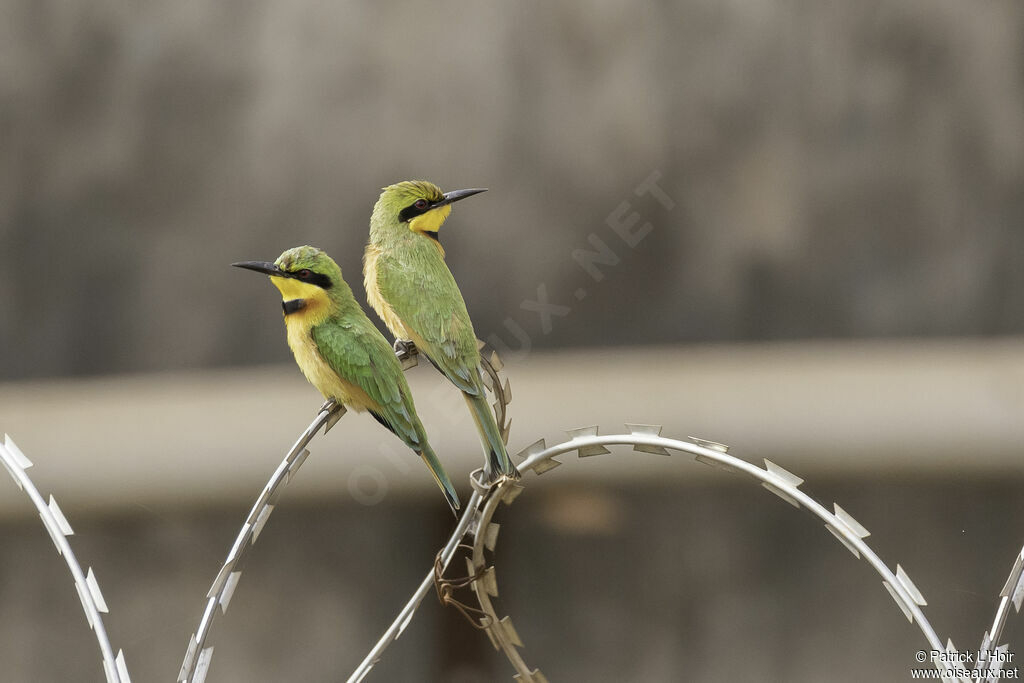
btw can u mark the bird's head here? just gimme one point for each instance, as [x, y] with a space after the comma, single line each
[306, 276]
[416, 205]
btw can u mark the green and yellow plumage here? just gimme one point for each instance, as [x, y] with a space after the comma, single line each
[410, 287]
[340, 351]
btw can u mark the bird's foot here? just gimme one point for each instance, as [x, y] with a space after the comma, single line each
[514, 475]
[485, 479]
[335, 410]
[406, 352]
[405, 347]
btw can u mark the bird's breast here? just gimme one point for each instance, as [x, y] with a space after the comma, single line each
[375, 298]
[319, 373]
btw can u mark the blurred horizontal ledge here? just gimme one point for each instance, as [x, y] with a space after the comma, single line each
[851, 409]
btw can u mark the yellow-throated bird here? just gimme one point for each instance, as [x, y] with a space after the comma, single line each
[410, 287]
[340, 351]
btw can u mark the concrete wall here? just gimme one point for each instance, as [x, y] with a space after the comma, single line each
[834, 170]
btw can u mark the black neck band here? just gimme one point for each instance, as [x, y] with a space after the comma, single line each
[293, 306]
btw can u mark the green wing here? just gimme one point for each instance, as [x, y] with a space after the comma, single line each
[360, 355]
[423, 293]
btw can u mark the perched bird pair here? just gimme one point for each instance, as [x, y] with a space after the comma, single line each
[410, 287]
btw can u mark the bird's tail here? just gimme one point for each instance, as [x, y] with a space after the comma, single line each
[498, 463]
[436, 469]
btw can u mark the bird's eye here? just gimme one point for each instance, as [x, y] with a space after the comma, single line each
[420, 204]
[304, 274]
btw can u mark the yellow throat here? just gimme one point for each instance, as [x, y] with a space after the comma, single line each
[432, 220]
[316, 304]
[315, 309]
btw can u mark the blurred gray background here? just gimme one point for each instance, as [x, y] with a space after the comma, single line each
[794, 227]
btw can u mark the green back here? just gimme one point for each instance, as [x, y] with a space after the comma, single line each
[417, 284]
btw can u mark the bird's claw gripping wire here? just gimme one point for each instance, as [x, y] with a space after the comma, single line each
[335, 410]
[481, 484]
[406, 351]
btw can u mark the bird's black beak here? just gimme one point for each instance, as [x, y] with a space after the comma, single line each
[261, 267]
[456, 195]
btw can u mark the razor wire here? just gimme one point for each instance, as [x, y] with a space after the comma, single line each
[477, 523]
[587, 442]
[57, 526]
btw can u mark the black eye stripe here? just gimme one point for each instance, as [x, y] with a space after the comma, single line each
[318, 279]
[411, 211]
[408, 213]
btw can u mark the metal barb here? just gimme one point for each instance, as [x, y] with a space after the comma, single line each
[95, 593]
[122, 668]
[713, 454]
[14, 454]
[535, 448]
[591, 450]
[846, 528]
[646, 430]
[546, 465]
[783, 474]
[14, 461]
[496, 362]
[842, 536]
[711, 445]
[849, 522]
[491, 535]
[59, 518]
[911, 589]
[582, 431]
[900, 601]
[261, 521]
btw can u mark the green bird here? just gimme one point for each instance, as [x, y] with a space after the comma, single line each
[342, 353]
[410, 287]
